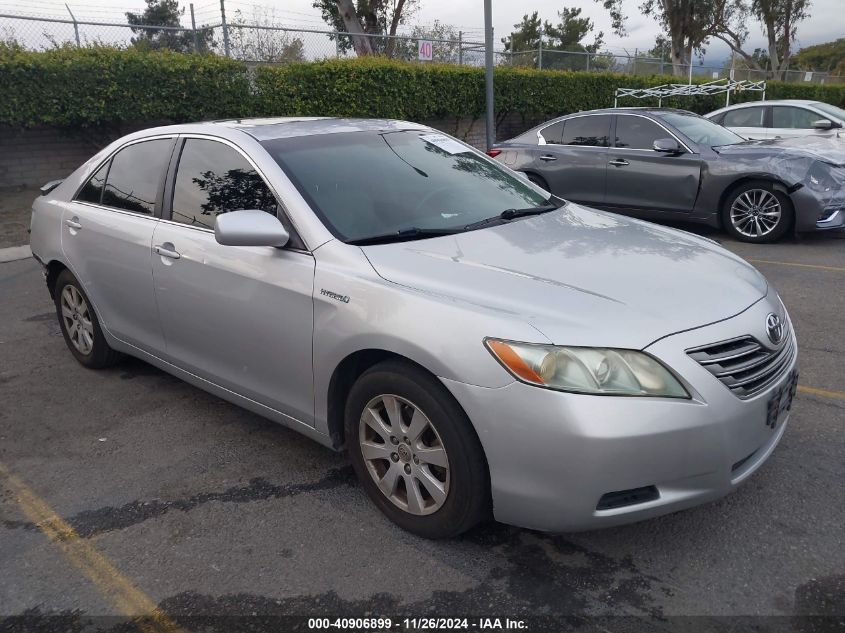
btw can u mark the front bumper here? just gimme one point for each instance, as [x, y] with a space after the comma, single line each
[817, 212]
[553, 456]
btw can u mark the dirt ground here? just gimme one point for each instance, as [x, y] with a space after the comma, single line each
[15, 204]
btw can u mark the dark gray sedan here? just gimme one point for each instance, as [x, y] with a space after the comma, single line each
[662, 163]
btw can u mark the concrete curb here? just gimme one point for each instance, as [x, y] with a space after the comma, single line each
[14, 253]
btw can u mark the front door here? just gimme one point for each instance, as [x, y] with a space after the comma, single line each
[107, 233]
[641, 179]
[238, 316]
[795, 122]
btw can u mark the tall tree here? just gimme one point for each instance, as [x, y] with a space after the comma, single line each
[780, 19]
[567, 35]
[686, 22]
[163, 13]
[367, 17]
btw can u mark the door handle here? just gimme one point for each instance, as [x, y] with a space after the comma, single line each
[167, 250]
[73, 223]
[548, 158]
[619, 162]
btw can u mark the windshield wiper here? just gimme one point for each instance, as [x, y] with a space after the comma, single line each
[511, 214]
[403, 235]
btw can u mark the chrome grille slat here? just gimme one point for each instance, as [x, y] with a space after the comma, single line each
[743, 365]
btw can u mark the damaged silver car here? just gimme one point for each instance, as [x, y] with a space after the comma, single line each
[661, 163]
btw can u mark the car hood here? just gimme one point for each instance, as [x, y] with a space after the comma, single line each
[580, 276]
[827, 149]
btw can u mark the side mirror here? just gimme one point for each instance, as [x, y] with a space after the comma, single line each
[822, 124]
[666, 146]
[249, 228]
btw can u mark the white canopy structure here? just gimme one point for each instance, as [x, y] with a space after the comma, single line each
[717, 87]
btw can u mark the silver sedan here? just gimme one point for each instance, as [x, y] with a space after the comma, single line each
[479, 346]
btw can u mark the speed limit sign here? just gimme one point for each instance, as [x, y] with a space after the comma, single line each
[425, 51]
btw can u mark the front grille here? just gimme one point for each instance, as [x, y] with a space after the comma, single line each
[745, 366]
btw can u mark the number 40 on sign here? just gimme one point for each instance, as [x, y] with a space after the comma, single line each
[426, 51]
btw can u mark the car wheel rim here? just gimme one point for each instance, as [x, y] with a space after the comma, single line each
[404, 454]
[77, 320]
[756, 213]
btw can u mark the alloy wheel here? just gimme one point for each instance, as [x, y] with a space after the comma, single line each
[77, 319]
[756, 213]
[404, 454]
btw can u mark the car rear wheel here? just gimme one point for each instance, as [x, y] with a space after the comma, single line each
[79, 324]
[415, 452]
[757, 212]
[539, 181]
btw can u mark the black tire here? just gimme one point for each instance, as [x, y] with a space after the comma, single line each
[784, 223]
[467, 501]
[100, 354]
[539, 181]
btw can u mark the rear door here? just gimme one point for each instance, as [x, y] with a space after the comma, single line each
[640, 179]
[238, 316]
[575, 165]
[107, 235]
[749, 122]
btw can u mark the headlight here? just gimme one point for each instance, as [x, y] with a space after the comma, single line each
[595, 370]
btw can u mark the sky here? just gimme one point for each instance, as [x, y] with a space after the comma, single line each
[824, 24]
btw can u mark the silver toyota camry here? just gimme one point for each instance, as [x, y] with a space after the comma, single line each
[479, 346]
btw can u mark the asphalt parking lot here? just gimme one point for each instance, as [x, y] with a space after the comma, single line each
[126, 489]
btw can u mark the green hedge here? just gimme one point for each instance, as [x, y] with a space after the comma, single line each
[69, 87]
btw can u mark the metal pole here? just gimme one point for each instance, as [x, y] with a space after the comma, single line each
[690, 65]
[337, 44]
[194, 30]
[490, 121]
[540, 51]
[225, 28]
[636, 52]
[75, 25]
[460, 48]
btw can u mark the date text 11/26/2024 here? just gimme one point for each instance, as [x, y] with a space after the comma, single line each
[417, 624]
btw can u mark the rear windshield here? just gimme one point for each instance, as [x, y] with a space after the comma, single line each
[369, 183]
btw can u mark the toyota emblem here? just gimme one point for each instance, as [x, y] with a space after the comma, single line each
[774, 328]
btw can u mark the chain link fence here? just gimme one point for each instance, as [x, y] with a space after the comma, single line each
[271, 43]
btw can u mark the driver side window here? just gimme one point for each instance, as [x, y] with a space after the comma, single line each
[213, 178]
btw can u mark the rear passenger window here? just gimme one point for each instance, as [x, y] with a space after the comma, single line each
[745, 117]
[212, 179]
[593, 131]
[93, 189]
[135, 176]
[553, 133]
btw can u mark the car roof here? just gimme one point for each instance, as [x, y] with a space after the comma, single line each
[638, 109]
[264, 129]
[750, 104]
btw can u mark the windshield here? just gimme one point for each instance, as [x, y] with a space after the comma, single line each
[831, 110]
[701, 130]
[370, 183]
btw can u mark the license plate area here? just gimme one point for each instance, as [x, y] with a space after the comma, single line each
[781, 401]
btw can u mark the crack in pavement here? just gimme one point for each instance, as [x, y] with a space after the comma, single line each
[89, 523]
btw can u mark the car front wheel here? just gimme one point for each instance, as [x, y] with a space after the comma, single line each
[415, 452]
[757, 212]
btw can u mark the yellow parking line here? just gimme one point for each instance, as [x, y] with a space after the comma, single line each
[125, 596]
[835, 269]
[824, 393]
